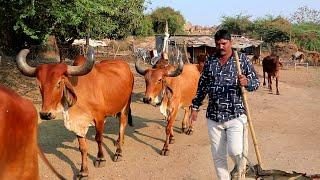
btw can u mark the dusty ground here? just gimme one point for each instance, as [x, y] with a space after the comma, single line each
[287, 129]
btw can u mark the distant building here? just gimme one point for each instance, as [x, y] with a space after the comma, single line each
[204, 44]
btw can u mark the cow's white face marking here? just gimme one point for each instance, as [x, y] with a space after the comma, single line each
[157, 100]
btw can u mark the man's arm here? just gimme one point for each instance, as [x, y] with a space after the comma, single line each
[204, 81]
[202, 87]
[250, 73]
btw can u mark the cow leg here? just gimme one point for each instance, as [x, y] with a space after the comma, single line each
[270, 83]
[264, 78]
[169, 132]
[100, 160]
[123, 122]
[277, 80]
[185, 119]
[84, 152]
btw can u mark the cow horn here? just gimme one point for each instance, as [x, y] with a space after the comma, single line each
[23, 65]
[178, 71]
[140, 69]
[84, 68]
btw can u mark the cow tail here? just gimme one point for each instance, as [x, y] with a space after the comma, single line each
[130, 117]
[44, 158]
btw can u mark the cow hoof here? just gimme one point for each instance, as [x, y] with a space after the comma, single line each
[189, 132]
[165, 152]
[99, 162]
[83, 176]
[278, 93]
[183, 130]
[117, 157]
[116, 143]
[171, 141]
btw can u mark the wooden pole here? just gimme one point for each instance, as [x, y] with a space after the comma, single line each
[245, 101]
[186, 51]
[115, 53]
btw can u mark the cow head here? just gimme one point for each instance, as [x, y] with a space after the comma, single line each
[54, 82]
[156, 81]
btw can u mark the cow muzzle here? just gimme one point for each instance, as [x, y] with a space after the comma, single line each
[47, 115]
[147, 100]
[153, 101]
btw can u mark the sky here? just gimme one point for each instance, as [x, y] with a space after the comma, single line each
[209, 12]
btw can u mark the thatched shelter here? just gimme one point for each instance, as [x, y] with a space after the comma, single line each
[196, 45]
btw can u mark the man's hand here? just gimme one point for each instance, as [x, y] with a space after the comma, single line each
[192, 119]
[243, 81]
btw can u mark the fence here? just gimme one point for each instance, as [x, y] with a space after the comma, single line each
[290, 63]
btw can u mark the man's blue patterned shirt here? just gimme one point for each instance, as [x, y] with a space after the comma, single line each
[221, 85]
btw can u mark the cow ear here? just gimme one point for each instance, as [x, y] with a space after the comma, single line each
[69, 97]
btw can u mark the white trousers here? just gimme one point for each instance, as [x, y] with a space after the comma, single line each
[226, 138]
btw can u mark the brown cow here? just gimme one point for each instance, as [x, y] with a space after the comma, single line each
[85, 94]
[173, 89]
[18, 138]
[201, 60]
[271, 65]
[255, 59]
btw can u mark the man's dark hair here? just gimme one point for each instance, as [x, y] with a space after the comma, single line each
[222, 34]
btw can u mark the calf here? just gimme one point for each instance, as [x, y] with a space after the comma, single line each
[255, 59]
[271, 65]
[298, 56]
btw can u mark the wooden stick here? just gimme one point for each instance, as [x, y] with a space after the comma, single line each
[115, 54]
[245, 101]
[186, 51]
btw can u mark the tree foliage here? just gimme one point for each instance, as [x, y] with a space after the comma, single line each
[272, 29]
[307, 35]
[175, 20]
[236, 25]
[145, 28]
[34, 20]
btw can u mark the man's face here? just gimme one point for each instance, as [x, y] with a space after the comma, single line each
[223, 46]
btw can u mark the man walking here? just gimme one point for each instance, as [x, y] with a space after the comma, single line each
[226, 114]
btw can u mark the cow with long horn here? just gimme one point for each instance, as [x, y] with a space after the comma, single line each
[171, 88]
[85, 93]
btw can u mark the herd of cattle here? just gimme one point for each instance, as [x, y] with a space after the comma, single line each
[65, 89]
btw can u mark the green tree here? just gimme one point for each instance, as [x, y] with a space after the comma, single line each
[272, 29]
[306, 28]
[239, 24]
[31, 22]
[145, 28]
[307, 36]
[175, 20]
